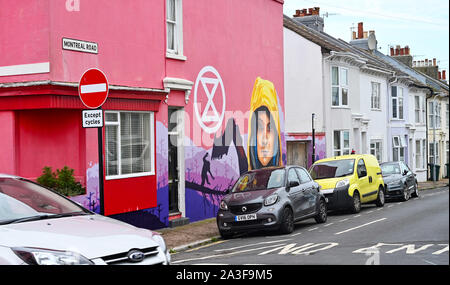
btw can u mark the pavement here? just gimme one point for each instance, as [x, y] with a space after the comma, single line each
[203, 232]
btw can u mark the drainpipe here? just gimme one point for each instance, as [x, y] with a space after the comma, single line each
[431, 95]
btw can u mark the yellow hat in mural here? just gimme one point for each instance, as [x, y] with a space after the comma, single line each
[264, 150]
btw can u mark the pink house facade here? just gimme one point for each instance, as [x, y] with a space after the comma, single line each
[181, 75]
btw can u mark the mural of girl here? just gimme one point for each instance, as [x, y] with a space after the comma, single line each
[264, 147]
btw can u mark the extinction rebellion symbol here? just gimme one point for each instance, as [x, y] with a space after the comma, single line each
[208, 116]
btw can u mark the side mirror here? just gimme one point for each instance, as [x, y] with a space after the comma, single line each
[405, 172]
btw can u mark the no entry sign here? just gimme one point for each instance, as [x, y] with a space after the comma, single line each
[93, 88]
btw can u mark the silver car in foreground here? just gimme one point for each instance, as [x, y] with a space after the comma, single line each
[40, 227]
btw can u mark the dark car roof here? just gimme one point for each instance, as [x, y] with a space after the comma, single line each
[275, 167]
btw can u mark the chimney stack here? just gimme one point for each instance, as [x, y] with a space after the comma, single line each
[360, 30]
[310, 17]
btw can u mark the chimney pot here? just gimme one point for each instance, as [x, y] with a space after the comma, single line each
[439, 75]
[402, 51]
[443, 75]
[366, 35]
[316, 10]
[434, 61]
[406, 50]
[392, 51]
[360, 30]
[354, 35]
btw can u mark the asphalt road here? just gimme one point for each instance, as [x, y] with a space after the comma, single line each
[415, 232]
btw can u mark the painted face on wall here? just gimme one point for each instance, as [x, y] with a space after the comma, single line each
[264, 147]
[265, 137]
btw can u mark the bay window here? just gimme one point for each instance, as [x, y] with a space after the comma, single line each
[397, 102]
[375, 98]
[376, 149]
[129, 144]
[339, 86]
[341, 145]
[398, 148]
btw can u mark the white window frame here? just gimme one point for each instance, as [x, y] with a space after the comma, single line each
[342, 150]
[375, 102]
[119, 163]
[434, 114]
[400, 106]
[341, 86]
[376, 149]
[447, 115]
[417, 109]
[420, 154]
[399, 146]
[434, 154]
[177, 51]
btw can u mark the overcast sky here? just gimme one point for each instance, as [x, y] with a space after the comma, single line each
[422, 25]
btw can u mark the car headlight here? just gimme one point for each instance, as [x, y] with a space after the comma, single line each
[223, 205]
[272, 199]
[39, 256]
[342, 183]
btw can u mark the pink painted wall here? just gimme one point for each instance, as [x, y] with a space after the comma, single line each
[240, 39]
[130, 37]
[7, 142]
[50, 138]
[24, 35]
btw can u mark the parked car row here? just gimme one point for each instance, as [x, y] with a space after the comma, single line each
[275, 198]
[39, 226]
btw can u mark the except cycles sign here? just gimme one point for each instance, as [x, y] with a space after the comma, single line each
[92, 118]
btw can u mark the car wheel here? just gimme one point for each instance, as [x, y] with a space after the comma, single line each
[287, 221]
[356, 205]
[406, 194]
[415, 194]
[322, 213]
[380, 199]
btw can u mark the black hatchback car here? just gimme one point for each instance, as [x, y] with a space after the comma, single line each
[400, 182]
[272, 198]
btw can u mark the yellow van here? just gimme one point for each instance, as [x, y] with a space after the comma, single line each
[350, 180]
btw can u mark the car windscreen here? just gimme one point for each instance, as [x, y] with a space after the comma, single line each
[21, 199]
[260, 180]
[390, 168]
[332, 169]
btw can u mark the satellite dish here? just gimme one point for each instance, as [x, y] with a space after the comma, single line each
[372, 41]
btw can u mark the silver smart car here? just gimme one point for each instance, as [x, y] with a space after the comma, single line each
[40, 227]
[272, 198]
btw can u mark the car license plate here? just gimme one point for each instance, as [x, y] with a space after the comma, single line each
[247, 217]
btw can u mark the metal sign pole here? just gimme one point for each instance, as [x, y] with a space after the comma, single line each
[100, 168]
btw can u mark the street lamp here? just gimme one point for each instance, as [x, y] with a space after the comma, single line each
[313, 139]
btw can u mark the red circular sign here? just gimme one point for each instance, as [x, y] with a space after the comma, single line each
[93, 88]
